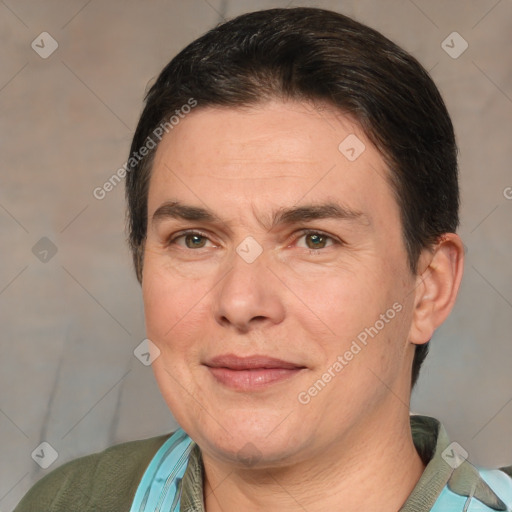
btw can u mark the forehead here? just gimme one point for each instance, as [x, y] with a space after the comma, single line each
[271, 155]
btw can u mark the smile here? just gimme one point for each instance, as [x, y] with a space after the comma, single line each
[251, 373]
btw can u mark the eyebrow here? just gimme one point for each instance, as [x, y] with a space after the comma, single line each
[282, 216]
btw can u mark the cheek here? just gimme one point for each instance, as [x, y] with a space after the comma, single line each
[341, 299]
[172, 306]
[357, 312]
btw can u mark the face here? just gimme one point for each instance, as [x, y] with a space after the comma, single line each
[276, 283]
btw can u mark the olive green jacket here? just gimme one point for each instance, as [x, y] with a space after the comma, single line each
[107, 481]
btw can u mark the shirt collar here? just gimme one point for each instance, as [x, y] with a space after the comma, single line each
[433, 446]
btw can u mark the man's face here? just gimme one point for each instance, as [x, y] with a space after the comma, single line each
[334, 303]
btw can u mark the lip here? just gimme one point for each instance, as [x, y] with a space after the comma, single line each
[234, 362]
[252, 372]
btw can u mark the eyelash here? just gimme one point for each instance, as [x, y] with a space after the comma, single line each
[303, 232]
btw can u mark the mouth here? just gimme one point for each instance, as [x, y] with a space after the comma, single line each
[251, 373]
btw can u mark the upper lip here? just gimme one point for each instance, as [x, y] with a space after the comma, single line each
[234, 362]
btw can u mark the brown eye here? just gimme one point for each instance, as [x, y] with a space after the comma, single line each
[315, 240]
[190, 240]
[194, 241]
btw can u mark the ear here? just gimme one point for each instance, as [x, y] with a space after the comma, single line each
[437, 284]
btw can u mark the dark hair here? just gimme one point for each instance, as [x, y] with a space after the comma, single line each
[317, 55]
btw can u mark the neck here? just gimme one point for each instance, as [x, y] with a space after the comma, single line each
[375, 468]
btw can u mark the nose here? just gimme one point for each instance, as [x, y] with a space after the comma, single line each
[249, 296]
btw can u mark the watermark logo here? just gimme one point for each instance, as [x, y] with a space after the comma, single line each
[454, 45]
[44, 249]
[454, 455]
[351, 147]
[146, 352]
[44, 45]
[249, 249]
[45, 455]
[249, 455]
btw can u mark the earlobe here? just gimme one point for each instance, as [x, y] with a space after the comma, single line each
[437, 285]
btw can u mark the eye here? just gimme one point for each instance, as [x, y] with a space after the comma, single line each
[316, 240]
[190, 240]
[313, 240]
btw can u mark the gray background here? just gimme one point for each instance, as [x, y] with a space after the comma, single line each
[70, 323]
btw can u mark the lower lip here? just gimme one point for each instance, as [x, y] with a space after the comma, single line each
[247, 380]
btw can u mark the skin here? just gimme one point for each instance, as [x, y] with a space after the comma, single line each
[263, 449]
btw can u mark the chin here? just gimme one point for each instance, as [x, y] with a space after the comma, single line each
[253, 454]
[247, 444]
